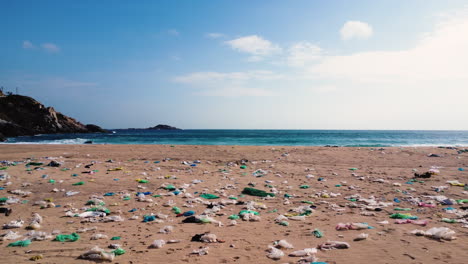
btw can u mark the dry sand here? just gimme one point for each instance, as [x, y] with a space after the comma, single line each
[247, 241]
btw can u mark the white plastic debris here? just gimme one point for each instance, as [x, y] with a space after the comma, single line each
[38, 235]
[13, 224]
[361, 236]
[97, 253]
[283, 244]
[10, 235]
[333, 245]
[209, 238]
[274, 253]
[436, 233]
[99, 236]
[201, 251]
[166, 230]
[303, 253]
[83, 230]
[157, 243]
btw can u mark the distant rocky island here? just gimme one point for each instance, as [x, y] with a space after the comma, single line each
[24, 116]
[163, 127]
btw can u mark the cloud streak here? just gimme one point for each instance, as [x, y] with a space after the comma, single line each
[254, 45]
[50, 48]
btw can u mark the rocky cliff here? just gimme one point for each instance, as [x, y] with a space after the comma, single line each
[23, 116]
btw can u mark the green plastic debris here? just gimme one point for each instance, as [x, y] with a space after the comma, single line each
[115, 238]
[353, 169]
[248, 212]
[67, 238]
[403, 216]
[307, 202]
[157, 196]
[462, 201]
[233, 198]
[209, 196]
[126, 198]
[170, 187]
[91, 202]
[337, 185]
[3, 168]
[304, 186]
[233, 217]
[99, 209]
[243, 167]
[3, 200]
[176, 210]
[447, 220]
[119, 251]
[287, 195]
[317, 233]
[51, 181]
[306, 213]
[402, 209]
[35, 164]
[142, 181]
[79, 183]
[257, 192]
[21, 243]
[205, 220]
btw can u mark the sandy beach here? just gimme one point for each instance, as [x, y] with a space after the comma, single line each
[334, 183]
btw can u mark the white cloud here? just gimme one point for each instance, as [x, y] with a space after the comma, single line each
[236, 92]
[303, 53]
[355, 29]
[215, 77]
[28, 45]
[51, 47]
[173, 32]
[254, 45]
[439, 55]
[229, 83]
[214, 35]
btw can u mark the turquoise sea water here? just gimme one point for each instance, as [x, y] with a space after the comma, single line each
[364, 138]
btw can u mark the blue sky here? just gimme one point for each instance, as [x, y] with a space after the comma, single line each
[242, 64]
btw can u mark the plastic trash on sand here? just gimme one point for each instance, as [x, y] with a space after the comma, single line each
[99, 236]
[361, 236]
[200, 252]
[436, 233]
[283, 244]
[333, 245]
[159, 243]
[99, 254]
[10, 235]
[21, 243]
[67, 238]
[274, 253]
[13, 224]
[303, 252]
[257, 192]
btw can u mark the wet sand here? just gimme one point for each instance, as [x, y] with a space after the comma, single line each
[246, 242]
